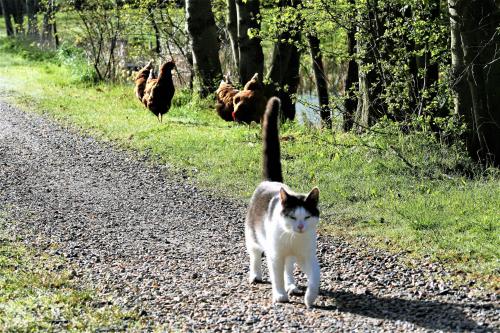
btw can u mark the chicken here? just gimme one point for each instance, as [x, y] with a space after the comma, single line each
[225, 94]
[159, 92]
[250, 103]
[141, 78]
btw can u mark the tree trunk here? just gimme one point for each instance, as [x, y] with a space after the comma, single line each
[477, 22]
[8, 12]
[232, 29]
[251, 56]
[18, 15]
[204, 44]
[284, 75]
[14, 16]
[285, 65]
[370, 104]
[321, 82]
[54, 25]
[461, 95]
[32, 10]
[49, 28]
[362, 115]
[351, 100]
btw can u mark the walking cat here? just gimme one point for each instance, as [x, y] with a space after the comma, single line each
[281, 223]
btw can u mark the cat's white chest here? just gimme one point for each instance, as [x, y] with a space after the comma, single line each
[288, 244]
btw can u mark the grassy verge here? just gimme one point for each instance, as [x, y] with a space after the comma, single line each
[38, 294]
[418, 203]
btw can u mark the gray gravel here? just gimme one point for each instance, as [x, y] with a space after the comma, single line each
[160, 245]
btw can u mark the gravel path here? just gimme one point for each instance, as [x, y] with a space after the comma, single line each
[161, 245]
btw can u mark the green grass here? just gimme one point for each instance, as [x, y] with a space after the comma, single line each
[367, 190]
[3, 32]
[38, 293]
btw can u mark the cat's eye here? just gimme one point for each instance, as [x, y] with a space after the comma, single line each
[292, 218]
[307, 217]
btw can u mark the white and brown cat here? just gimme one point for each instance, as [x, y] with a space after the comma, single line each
[281, 223]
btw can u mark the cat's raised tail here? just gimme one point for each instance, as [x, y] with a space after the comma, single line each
[271, 143]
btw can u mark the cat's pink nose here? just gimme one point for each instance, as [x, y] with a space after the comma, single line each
[301, 227]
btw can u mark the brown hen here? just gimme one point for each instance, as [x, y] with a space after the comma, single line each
[250, 103]
[141, 79]
[159, 92]
[225, 94]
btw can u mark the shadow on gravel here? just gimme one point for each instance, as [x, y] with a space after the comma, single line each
[429, 314]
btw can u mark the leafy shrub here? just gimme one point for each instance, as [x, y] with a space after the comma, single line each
[422, 153]
[182, 97]
[74, 58]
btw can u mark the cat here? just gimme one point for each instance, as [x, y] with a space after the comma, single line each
[281, 223]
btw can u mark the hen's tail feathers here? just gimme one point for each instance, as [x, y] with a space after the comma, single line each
[272, 160]
[151, 75]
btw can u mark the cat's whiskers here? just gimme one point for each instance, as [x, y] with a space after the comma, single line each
[292, 238]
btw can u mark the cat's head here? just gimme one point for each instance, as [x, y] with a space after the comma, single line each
[300, 213]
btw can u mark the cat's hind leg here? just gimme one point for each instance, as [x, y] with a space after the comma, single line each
[255, 272]
[255, 253]
[290, 286]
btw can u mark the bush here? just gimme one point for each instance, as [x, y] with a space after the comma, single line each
[182, 97]
[74, 58]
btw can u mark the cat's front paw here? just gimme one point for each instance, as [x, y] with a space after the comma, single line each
[280, 298]
[310, 298]
[292, 289]
[254, 278]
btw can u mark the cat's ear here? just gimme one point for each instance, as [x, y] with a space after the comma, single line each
[283, 196]
[313, 196]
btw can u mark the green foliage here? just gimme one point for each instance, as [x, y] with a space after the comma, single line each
[3, 30]
[117, 36]
[74, 58]
[182, 97]
[402, 48]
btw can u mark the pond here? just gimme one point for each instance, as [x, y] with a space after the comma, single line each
[307, 106]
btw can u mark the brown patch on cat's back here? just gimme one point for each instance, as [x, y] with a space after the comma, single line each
[265, 195]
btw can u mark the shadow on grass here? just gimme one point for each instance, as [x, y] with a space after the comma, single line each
[428, 314]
